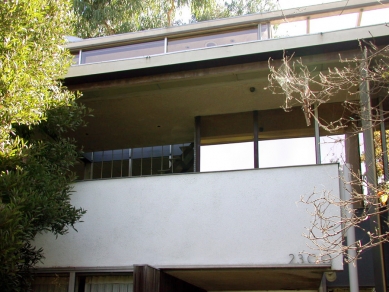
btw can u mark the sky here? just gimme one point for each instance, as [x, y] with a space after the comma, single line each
[274, 153]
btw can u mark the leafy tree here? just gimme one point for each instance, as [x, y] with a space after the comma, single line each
[102, 17]
[35, 112]
[232, 8]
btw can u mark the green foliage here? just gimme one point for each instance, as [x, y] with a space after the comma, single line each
[96, 18]
[35, 113]
[215, 10]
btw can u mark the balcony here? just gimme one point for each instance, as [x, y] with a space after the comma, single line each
[232, 218]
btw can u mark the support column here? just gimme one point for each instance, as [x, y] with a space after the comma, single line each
[371, 176]
[72, 281]
[255, 125]
[317, 136]
[345, 195]
[197, 143]
[353, 161]
[383, 142]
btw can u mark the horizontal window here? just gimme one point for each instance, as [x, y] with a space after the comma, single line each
[123, 52]
[212, 40]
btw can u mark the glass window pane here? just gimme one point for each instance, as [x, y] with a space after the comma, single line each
[205, 41]
[147, 160]
[107, 164]
[117, 168]
[136, 162]
[290, 29]
[118, 154]
[286, 152]
[108, 284]
[88, 155]
[264, 31]
[227, 156]
[332, 149]
[333, 23]
[375, 16]
[182, 158]
[75, 59]
[123, 52]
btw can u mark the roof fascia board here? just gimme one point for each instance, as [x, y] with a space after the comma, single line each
[229, 51]
[226, 23]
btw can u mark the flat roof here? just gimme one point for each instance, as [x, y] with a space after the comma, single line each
[294, 14]
[228, 51]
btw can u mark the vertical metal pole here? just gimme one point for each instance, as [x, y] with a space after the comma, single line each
[197, 143]
[171, 164]
[121, 164]
[79, 57]
[317, 136]
[383, 141]
[163, 148]
[102, 164]
[269, 31]
[91, 169]
[255, 125]
[359, 20]
[323, 284]
[72, 281]
[151, 160]
[353, 160]
[111, 163]
[371, 177]
[308, 25]
[346, 191]
[141, 162]
[259, 37]
[165, 46]
[130, 162]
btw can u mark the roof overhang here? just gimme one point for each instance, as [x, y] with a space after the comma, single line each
[278, 16]
[231, 54]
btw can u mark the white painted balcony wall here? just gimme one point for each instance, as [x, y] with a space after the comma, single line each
[248, 217]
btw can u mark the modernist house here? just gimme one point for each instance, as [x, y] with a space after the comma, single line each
[156, 219]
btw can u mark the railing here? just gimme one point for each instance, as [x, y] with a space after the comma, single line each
[247, 217]
[256, 32]
[155, 160]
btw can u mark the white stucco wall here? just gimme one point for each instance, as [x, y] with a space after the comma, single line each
[245, 217]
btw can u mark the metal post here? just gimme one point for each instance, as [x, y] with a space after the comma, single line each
[371, 177]
[346, 191]
[80, 57]
[102, 164]
[308, 25]
[111, 163]
[197, 143]
[383, 142]
[255, 125]
[72, 281]
[359, 20]
[317, 136]
[130, 161]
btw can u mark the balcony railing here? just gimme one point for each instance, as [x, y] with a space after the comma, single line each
[155, 160]
[246, 217]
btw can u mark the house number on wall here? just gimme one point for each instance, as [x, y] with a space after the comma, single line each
[306, 259]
